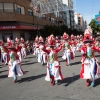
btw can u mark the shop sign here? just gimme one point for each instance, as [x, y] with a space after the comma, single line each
[8, 27]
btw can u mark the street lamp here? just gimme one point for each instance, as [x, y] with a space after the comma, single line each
[37, 25]
[35, 9]
[46, 7]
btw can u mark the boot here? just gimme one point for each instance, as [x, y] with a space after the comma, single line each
[92, 84]
[56, 82]
[52, 83]
[66, 62]
[87, 82]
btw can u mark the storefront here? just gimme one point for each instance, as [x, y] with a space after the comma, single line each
[27, 32]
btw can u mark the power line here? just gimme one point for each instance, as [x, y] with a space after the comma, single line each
[92, 9]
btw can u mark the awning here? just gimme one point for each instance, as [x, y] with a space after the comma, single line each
[19, 27]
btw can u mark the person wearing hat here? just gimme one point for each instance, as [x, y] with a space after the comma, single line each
[14, 64]
[3, 49]
[18, 51]
[23, 48]
[41, 53]
[73, 44]
[36, 48]
[53, 65]
[89, 69]
[78, 45]
[68, 55]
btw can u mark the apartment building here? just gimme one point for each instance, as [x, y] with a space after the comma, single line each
[80, 23]
[17, 19]
[69, 12]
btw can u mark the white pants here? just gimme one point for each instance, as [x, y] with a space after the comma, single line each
[89, 69]
[19, 55]
[42, 57]
[23, 52]
[4, 57]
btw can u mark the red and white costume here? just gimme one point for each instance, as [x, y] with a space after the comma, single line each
[14, 65]
[68, 54]
[89, 62]
[23, 48]
[53, 65]
[4, 54]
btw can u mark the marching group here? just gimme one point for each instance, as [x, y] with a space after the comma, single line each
[12, 53]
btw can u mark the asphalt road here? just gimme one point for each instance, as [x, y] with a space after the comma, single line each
[32, 86]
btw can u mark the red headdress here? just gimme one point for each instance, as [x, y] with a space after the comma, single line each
[51, 40]
[21, 40]
[40, 39]
[16, 40]
[9, 42]
[36, 39]
[87, 36]
[72, 36]
[65, 36]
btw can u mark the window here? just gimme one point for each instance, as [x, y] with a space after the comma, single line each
[30, 12]
[30, 0]
[7, 35]
[60, 15]
[43, 17]
[8, 7]
[50, 0]
[49, 18]
[22, 35]
[20, 9]
[1, 7]
[52, 20]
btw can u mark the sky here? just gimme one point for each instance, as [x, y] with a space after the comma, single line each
[87, 8]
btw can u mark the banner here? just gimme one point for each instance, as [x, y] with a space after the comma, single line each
[97, 19]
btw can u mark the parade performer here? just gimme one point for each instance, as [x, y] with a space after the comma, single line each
[18, 49]
[42, 54]
[23, 48]
[14, 64]
[68, 54]
[53, 65]
[57, 42]
[3, 49]
[79, 45]
[73, 44]
[36, 47]
[9, 42]
[89, 62]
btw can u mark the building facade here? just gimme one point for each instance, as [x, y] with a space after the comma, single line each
[17, 19]
[80, 24]
[67, 16]
[70, 13]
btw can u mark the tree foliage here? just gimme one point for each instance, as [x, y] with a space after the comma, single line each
[95, 28]
[58, 30]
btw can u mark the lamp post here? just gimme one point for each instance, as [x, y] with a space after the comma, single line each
[37, 26]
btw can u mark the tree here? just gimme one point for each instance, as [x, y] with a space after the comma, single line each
[99, 12]
[58, 30]
[95, 28]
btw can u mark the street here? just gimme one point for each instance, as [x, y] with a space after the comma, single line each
[32, 85]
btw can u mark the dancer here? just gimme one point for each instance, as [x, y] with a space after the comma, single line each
[14, 64]
[53, 65]
[4, 53]
[68, 54]
[89, 62]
